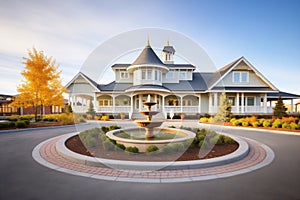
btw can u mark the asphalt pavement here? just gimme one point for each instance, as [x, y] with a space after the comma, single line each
[21, 177]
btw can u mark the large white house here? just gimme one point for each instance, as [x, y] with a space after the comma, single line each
[176, 88]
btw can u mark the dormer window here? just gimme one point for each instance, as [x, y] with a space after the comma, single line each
[124, 75]
[170, 75]
[240, 77]
[182, 75]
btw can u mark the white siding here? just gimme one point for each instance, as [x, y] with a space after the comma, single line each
[80, 88]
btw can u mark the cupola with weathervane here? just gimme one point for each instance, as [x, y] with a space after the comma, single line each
[168, 53]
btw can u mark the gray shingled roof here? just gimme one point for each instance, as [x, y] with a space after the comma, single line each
[113, 86]
[147, 56]
[124, 66]
[245, 88]
[147, 87]
[284, 95]
[169, 49]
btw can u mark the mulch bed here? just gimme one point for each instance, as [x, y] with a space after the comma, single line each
[77, 146]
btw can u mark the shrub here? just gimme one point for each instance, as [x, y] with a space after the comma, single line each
[211, 120]
[120, 147]
[90, 142]
[104, 118]
[286, 125]
[267, 123]
[89, 116]
[132, 149]
[203, 144]
[166, 149]
[236, 123]
[261, 121]
[232, 120]
[97, 117]
[288, 120]
[214, 140]
[27, 122]
[113, 127]
[221, 139]
[293, 126]
[108, 145]
[152, 148]
[20, 124]
[65, 119]
[255, 124]
[200, 138]
[276, 123]
[245, 123]
[204, 119]
[102, 136]
[177, 147]
[104, 129]
[172, 126]
[228, 140]
[251, 119]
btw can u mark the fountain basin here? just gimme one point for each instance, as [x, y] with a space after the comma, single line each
[136, 137]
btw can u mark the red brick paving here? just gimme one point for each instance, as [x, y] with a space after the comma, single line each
[255, 156]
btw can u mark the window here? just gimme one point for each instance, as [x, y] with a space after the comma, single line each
[170, 75]
[240, 77]
[157, 75]
[187, 102]
[149, 74]
[250, 101]
[124, 75]
[143, 74]
[182, 75]
[231, 100]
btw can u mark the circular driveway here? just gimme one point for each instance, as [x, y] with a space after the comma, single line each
[23, 178]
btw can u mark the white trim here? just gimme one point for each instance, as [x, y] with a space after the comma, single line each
[83, 76]
[249, 65]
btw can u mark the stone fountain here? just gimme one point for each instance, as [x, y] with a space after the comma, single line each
[149, 132]
[148, 124]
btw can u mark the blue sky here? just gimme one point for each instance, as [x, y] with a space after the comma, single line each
[266, 32]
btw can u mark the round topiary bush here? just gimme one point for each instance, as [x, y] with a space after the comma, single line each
[120, 147]
[132, 149]
[245, 123]
[20, 124]
[152, 148]
[108, 145]
[228, 140]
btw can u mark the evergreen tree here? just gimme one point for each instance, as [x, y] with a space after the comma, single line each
[69, 109]
[280, 109]
[224, 111]
[91, 110]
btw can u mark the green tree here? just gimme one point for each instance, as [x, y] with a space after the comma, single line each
[224, 111]
[69, 109]
[41, 85]
[91, 110]
[280, 110]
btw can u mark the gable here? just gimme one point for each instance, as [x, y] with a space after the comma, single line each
[80, 84]
[242, 68]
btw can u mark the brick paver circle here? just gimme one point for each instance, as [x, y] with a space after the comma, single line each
[259, 156]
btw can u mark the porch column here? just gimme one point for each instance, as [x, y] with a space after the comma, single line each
[113, 103]
[131, 104]
[292, 105]
[140, 102]
[265, 103]
[155, 100]
[199, 104]
[163, 106]
[75, 99]
[237, 102]
[181, 99]
[243, 103]
[215, 102]
[209, 103]
[95, 99]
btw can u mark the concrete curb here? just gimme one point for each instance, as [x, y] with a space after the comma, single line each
[251, 129]
[40, 128]
[239, 154]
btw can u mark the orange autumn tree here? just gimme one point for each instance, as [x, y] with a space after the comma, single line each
[42, 83]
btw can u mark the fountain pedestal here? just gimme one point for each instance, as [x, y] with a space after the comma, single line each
[148, 124]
